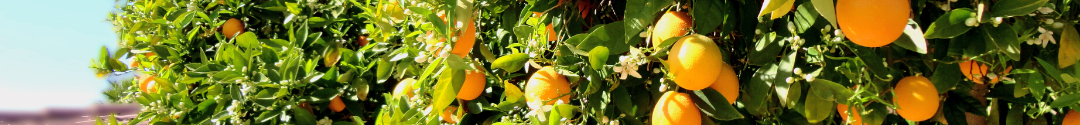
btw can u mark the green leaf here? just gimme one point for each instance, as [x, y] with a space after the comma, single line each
[511, 63]
[1036, 85]
[1005, 8]
[818, 108]
[946, 76]
[912, 39]
[872, 61]
[446, 89]
[609, 35]
[772, 5]
[362, 88]
[384, 70]
[266, 116]
[1066, 100]
[874, 114]
[826, 9]
[622, 100]
[598, 57]
[1069, 51]
[248, 40]
[830, 90]
[787, 64]
[640, 14]
[759, 91]
[456, 62]
[183, 20]
[302, 116]
[1002, 38]
[715, 105]
[950, 24]
[716, 10]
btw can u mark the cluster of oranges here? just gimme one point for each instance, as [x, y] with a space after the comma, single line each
[695, 62]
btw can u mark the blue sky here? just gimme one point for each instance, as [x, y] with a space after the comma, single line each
[45, 52]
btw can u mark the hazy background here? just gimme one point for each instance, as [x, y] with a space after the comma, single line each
[45, 52]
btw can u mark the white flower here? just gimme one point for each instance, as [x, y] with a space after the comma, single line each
[970, 22]
[626, 68]
[324, 121]
[1045, 10]
[421, 58]
[1047, 36]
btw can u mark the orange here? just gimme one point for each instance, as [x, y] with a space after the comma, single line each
[405, 88]
[973, 74]
[465, 42]
[843, 109]
[695, 62]
[552, 36]
[969, 70]
[1072, 118]
[995, 80]
[448, 114]
[362, 40]
[727, 83]
[475, 82]
[135, 63]
[916, 97]
[872, 23]
[149, 54]
[547, 84]
[675, 108]
[145, 84]
[232, 27]
[336, 104]
[671, 24]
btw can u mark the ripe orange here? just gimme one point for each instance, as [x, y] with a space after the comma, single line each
[465, 42]
[843, 109]
[675, 108]
[135, 63]
[973, 74]
[145, 84]
[969, 70]
[149, 54]
[232, 27]
[1072, 118]
[405, 88]
[475, 82]
[362, 40]
[671, 24]
[547, 84]
[872, 23]
[995, 79]
[695, 62]
[336, 104]
[552, 36]
[916, 97]
[727, 83]
[448, 114]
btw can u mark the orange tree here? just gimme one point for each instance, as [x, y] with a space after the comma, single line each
[596, 61]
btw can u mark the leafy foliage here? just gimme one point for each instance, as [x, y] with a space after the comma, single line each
[794, 65]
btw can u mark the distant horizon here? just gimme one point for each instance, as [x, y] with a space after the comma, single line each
[46, 48]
